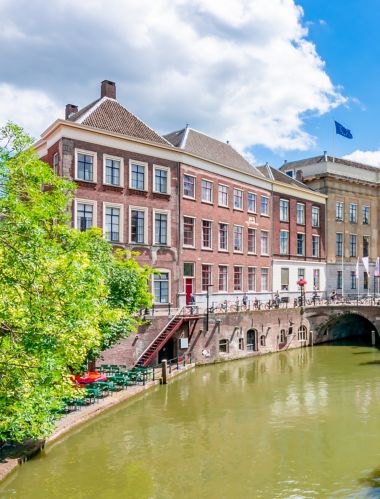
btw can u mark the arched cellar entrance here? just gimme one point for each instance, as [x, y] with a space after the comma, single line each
[350, 326]
[251, 340]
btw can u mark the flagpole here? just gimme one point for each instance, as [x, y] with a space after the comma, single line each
[333, 142]
[344, 235]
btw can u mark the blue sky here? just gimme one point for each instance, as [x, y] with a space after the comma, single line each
[269, 76]
[347, 37]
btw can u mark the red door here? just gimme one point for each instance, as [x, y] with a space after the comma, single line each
[188, 289]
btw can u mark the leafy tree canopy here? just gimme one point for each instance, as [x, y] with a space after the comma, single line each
[64, 295]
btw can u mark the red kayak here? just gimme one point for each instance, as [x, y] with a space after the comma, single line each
[90, 377]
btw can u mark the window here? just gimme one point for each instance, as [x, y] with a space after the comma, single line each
[339, 244]
[223, 277]
[137, 173]
[365, 213]
[264, 279]
[188, 269]
[315, 245]
[339, 279]
[316, 279]
[251, 202]
[56, 163]
[300, 244]
[339, 211]
[353, 213]
[112, 168]
[251, 240]
[284, 242]
[365, 280]
[161, 287]
[85, 166]
[300, 274]
[302, 333]
[251, 340]
[238, 238]
[206, 277]
[188, 231]
[264, 242]
[160, 228]
[290, 173]
[207, 191]
[223, 236]
[251, 278]
[284, 279]
[112, 223]
[262, 340]
[238, 278]
[315, 216]
[300, 214]
[161, 180]
[353, 279]
[238, 199]
[206, 233]
[284, 210]
[365, 245]
[137, 226]
[353, 244]
[189, 186]
[84, 216]
[223, 346]
[264, 205]
[241, 343]
[222, 195]
[282, 336]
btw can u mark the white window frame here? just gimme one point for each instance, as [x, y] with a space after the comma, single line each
[252, 252]
[287, 203]
[241, 267]
[304, 244]
[225, 250]
[255, 283]
[146, 179]
[56, 163]
[319, 245]
[183, 231]
[304, 214]
[167, 271]
[261, 213]
[261, 275]
[85, 201]
[207, 248]
[115, 158]
[261, 233]
[228, 273]
[220, 204]
[242, 199]
[146, 214]
[319, 216]
[164, 212]
[212, 191]
[121, 208]
[159, 167]
[183, 185]
[287, 247]
[248, 210]
[94, 165]
[242, 239]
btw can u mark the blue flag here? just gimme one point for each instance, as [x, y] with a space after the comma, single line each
[340, 130]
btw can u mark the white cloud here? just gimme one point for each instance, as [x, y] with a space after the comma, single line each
[243, 71]
[366, 157]
[31, 109]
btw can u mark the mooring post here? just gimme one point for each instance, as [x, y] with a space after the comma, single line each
[312, 338]
[373, 334]
[164, 366]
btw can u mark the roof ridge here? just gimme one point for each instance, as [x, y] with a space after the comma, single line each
[93, 108]
[184, 138]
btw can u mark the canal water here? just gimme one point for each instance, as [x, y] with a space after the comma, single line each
[298, 424]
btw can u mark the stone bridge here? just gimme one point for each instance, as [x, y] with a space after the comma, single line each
[334, 322]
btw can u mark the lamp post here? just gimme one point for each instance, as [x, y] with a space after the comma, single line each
[302, 283]
[208, 286]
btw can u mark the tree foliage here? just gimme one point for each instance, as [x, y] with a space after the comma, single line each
[64, 295]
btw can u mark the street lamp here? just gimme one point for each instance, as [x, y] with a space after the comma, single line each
[302, 283]
[208, 286]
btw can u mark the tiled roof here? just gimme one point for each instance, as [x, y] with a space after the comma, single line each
[322, 159]
[279, 176]
[206, 147]
[108, 114]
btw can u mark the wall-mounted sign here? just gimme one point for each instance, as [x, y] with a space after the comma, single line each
[184, 343]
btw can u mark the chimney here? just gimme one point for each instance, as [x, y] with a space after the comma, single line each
[108, 89]
[299, 175]
[70, 109]
[325, 155]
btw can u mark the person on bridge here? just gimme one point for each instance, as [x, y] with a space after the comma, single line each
[333, 295]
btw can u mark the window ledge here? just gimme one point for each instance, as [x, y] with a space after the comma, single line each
[85, 183]
[189, 198]
[206, 249]
[111, 187]
[138, 192]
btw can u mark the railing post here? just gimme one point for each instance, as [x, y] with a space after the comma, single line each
[177, 363]
[164, 366]
[169, 306]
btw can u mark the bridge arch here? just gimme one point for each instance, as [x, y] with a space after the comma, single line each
[349, 324]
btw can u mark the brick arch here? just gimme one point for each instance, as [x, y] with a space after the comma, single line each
[356, 323]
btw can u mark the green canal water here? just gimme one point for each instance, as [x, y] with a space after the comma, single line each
[299, 424]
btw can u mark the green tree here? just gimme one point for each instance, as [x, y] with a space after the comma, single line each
[63, 294]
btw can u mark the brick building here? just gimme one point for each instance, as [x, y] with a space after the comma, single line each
[127, 183]
[298, 235]
[225, 215]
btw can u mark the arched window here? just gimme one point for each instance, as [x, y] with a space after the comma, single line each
[251, 340]
[262, 340]
[282, 336]
[302, 333]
